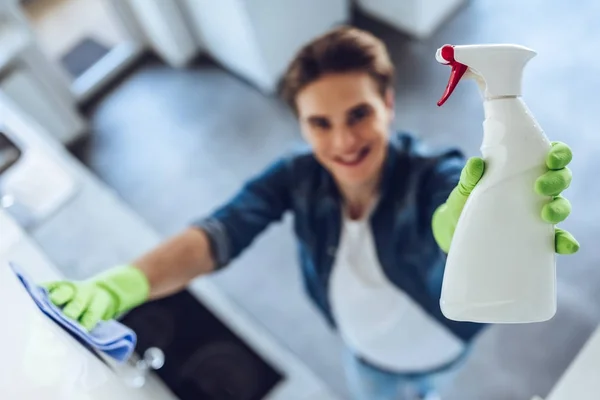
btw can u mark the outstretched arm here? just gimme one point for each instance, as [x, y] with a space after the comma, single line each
[208, 244]
[173, 264]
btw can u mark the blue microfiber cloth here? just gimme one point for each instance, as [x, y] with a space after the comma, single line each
[109, 337]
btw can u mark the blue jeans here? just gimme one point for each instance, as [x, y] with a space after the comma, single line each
[367, 382]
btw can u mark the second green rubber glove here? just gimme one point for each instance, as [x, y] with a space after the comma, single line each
[103, 297]
[551, 183]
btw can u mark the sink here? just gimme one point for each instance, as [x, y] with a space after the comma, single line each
[33, 183]
[9, 153]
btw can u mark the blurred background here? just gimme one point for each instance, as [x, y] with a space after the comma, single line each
[146, 114]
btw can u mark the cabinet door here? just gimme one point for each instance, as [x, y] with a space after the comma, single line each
[226, 32]
[23, 88]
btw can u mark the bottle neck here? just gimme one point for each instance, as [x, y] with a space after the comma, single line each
[492, 105]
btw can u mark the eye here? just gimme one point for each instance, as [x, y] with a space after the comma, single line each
[320, 123]
[358, 114]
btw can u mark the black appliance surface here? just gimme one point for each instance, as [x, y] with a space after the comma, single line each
[204, 359]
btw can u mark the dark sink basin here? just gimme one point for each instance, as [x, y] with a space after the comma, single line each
[9, 153]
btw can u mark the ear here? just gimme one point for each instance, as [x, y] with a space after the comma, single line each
[390, 102]
[304, 133]
[390, 98]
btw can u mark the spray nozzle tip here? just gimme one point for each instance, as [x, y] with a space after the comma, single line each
[445, 54]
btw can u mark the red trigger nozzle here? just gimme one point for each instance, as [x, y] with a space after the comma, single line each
[445, 55]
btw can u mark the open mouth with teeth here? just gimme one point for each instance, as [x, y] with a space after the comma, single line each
[354, 159]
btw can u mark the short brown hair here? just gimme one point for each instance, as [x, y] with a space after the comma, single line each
[344, 49]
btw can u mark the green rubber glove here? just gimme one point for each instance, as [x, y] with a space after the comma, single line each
[551, 183]
[103, 297]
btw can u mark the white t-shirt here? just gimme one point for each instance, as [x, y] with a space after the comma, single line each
[376, 318]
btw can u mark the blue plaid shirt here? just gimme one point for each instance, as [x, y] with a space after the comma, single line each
[413, 185]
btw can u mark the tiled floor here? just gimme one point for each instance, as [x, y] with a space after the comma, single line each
[60, 24]
[176, 143]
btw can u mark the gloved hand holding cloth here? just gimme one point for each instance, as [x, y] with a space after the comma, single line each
[104, 297]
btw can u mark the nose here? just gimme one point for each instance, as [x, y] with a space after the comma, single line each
[345, 141]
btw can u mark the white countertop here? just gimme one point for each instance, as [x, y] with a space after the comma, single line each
[94, 230]
[38, 358]
[581, 380]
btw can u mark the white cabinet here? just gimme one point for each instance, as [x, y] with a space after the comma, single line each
[418, 18]
[256, 39]
[32, 81]
[29, 94]
[165, 28]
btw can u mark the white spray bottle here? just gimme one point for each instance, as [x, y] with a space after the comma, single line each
[501, 264]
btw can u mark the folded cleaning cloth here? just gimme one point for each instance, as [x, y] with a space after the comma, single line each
[109, 337]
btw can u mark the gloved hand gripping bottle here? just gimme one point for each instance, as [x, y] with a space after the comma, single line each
[501, 262]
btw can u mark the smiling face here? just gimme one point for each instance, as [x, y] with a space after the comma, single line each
[346, 120]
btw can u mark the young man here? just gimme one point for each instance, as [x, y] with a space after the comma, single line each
[374, 218]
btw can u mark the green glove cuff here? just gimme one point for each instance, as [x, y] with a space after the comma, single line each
[443, 227]
[447, 214]
[128, 286]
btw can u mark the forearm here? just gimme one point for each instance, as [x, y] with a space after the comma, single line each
[174, 263]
